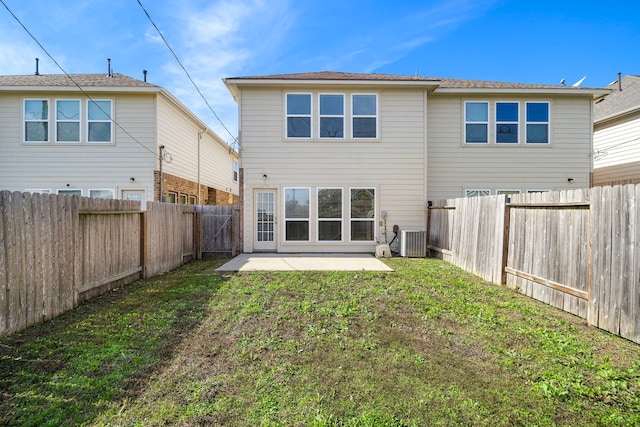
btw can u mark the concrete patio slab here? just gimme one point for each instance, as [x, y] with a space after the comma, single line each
[304, 262]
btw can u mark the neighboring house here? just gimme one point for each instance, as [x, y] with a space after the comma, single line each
[616, 133]
[332, 161]
[100, 135]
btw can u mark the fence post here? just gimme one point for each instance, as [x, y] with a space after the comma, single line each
[505, 241]
[143, 244]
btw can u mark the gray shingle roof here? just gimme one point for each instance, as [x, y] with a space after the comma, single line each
[445, 83]
[618, 102]
[83, 80]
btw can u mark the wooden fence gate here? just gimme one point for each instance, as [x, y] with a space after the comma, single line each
[220, 231]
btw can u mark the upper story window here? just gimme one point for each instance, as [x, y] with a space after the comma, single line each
[476, 122]
[537, 123]
[507, 122]
[235, 171]
[67, 120]
[331, 116]
[99, 121]
[298, 115]
[364, 115]
[36, 120]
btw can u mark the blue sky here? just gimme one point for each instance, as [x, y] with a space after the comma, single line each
[504, 40]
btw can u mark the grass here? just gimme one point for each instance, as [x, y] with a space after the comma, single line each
[427, 344]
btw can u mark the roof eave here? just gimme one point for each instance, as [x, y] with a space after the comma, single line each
[595, 93]
[129, 89]
[617, 115]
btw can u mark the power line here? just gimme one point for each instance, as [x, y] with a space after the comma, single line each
[235, 140]
[74, 82]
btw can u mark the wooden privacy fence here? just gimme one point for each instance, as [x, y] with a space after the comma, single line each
[578, 250]
[56, 251]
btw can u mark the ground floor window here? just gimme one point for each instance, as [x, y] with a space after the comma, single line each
[362, 214]
[296, 214]
[329, 214]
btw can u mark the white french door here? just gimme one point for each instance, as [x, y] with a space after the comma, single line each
[265, 220]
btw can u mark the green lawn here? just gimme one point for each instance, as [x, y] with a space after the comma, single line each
[427, 344]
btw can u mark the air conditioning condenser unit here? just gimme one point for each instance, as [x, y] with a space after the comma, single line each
[413, 244]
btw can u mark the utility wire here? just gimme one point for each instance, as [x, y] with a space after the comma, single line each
[74, 82]
[235, 140]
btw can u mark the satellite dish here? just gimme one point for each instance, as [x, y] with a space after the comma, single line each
[563, 82]
[579, 82]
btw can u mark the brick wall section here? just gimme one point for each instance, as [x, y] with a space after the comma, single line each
[208, 195]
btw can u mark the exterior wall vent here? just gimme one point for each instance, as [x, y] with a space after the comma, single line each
[413, 244]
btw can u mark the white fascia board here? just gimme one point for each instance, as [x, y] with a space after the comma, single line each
[76, 89]
[595, 93]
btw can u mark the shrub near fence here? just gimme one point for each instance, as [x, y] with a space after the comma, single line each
[56, 251]
[578, 250]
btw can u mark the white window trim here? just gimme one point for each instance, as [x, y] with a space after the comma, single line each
[496, 122]
[110, 120]
[375, 213]
[284, 214]
[24, 121]
[70, 189]
[235, 171]
[318, 219]
[287, 115]
[507, 192]
[477, 190]
[356, 116]
[465, 122]
[38, 190]
[175, 196]
[548, 123]
[529, 191]
[113, 192]
[79, 121]
[333, 116]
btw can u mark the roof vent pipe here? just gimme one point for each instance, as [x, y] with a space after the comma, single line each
[37, 66]
[619, 82]
[109, 68]
[144, 73]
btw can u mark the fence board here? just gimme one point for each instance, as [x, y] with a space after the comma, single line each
[4, 267]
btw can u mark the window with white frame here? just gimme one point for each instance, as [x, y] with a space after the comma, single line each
[331, 115]
[476, 122]
[69, 192]
[172, 197]
[329, 206]
[99, 115]
[102, 194]
[235, 171]
[507, 192]
[41, 191]
[537, 122]
[362, 214]
[298, 115]
[192, 200]
[183, 199]
[507, 118]
[477, 193]
[36, 120]
[364, 115]
[67, 120]
[296, 214]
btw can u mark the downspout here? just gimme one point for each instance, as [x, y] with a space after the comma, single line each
[161, 159]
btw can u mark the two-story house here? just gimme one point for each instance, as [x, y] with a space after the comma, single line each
[616, 133]
[332, 161]
[110, 136]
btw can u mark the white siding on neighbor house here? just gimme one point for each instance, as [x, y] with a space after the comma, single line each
[82, 165]
[616, 145]
[195, 155]
[454, 166]
[393, 164]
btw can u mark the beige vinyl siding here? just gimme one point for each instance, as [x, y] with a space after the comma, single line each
[454, 167]
[211, 163]
[394, 163]
[617, 142]
[85, 165]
